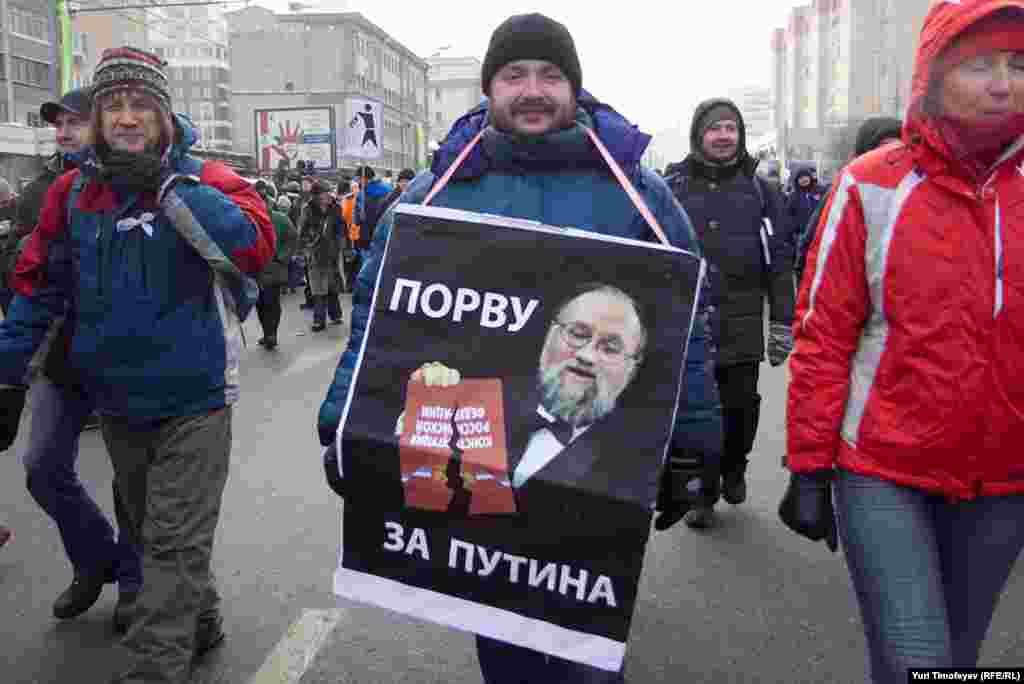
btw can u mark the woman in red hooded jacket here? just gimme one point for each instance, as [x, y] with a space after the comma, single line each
[906, 393]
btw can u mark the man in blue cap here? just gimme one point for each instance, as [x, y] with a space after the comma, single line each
[60, 410]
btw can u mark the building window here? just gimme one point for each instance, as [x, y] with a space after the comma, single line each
[32, 73]
[29, 24]
[35, 121]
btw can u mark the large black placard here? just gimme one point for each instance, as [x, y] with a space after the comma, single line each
[510, 414]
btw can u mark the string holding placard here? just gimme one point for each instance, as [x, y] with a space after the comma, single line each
[617, 171]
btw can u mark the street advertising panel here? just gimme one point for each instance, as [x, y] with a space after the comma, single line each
[295, 134]
[509, 417]
[364, 129]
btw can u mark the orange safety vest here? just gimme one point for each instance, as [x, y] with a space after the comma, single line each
[348, 205]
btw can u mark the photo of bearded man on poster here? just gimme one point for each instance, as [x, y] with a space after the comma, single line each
[561, 427]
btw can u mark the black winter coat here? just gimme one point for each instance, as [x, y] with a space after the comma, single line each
[726, 210]
[26, 215]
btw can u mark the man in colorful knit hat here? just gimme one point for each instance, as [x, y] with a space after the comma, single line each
[154, 336]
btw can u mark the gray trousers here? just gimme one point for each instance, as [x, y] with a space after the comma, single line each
[171, 477]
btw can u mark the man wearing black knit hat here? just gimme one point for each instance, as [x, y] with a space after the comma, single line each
[535, 160]
[532, 47]
[745, 233]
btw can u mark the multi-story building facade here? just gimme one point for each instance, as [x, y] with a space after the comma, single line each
[194, 41]
[758, 107]
[103, 24]
[304, 60]
[453, 89]
[836, 63]
[27, 62]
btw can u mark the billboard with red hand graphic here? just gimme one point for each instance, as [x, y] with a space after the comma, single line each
[305, 134]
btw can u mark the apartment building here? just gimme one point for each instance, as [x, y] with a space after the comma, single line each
[318, 60]
[194, 41]
[27, 63]
[453, 89]
[836, 63]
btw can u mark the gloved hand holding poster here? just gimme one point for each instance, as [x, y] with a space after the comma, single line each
[510, 414]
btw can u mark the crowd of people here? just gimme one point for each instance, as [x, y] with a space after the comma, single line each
[895, 294]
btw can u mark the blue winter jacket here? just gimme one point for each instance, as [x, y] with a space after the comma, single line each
[151, 335]
[560, 180]
[801, 204]
[370, 206]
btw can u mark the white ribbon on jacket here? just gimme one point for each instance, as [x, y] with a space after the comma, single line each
[144, 221]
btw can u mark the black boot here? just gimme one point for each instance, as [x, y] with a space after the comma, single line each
[124, 611]
[84, 591]
[209, 633]
[734, 487]
[700, 517]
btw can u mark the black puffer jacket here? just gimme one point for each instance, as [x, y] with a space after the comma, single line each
[726, 209]
[26, 213]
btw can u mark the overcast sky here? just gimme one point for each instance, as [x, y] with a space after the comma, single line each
[651, 60]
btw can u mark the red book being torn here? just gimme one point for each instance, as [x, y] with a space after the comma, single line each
[465, 421]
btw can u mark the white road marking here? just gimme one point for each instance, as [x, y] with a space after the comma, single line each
[298, 648]
[308, 360]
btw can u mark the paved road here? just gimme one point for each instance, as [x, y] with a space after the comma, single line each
[744, 602]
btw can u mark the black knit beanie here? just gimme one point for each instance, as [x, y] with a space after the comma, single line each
[874, 130]
[532, 36]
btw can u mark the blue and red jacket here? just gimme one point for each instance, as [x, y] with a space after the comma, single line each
[151, 335]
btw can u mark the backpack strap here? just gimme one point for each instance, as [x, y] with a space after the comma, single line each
[242, 288]
[767, 229]
[51, 341]
[74, 192]
[760, 195]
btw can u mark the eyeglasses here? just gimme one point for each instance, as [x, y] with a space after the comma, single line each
[610, 348]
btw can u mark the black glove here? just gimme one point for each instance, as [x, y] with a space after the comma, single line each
[679, 488]
[780, 343]
[12, 401]
[331, 472]
[669, 516]
[806, 507]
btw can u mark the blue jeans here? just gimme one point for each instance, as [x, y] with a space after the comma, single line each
[503, 663]
[57, 419]
[928, 573]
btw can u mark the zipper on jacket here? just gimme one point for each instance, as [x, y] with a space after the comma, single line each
[99, 259]
[998, 247]
[142, 262]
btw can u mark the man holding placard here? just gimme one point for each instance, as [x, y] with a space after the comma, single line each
[540, 149]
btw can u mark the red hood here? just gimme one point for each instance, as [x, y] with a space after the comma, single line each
[946, 20]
